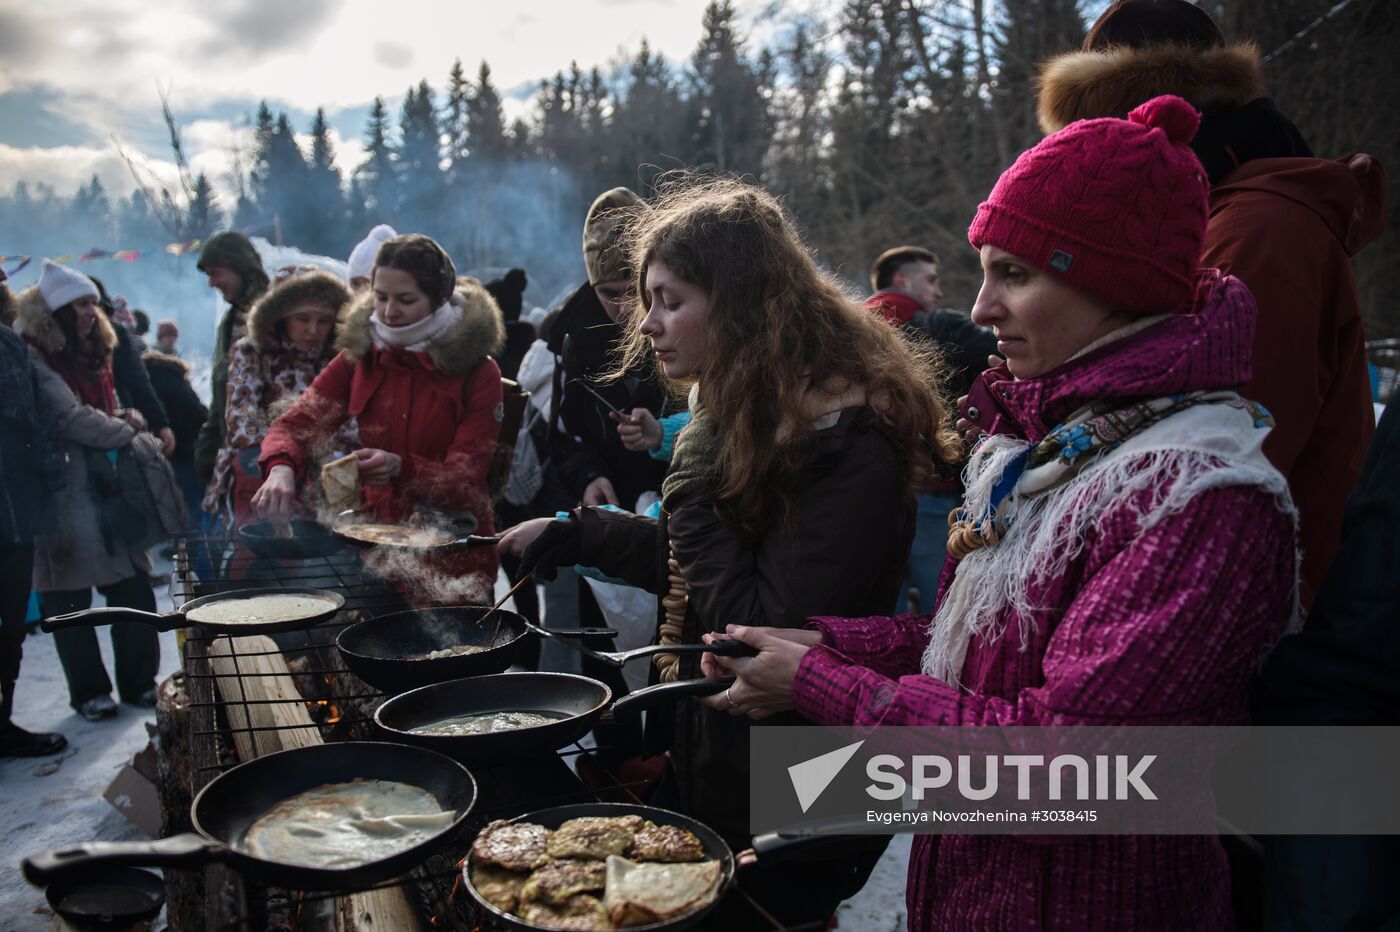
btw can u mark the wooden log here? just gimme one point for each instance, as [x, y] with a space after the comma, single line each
[249, 670]
[184, 889]
[246, 682]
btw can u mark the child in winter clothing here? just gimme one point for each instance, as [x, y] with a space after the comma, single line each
[1127, 553]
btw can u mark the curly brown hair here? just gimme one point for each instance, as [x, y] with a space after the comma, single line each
[778, 323]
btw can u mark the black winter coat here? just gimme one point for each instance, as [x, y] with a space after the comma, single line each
[1343, 669]
[845, 554]
[170, 378]
[133, 384]
[964, 345]
[583, 443]
[31, 467]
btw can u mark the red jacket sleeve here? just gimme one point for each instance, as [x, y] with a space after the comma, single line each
[317, 413]
[1169, 630]
[459, 479]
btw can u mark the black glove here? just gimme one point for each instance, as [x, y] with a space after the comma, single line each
[557, 545]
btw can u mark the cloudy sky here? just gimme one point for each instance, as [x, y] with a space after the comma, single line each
[79, 74]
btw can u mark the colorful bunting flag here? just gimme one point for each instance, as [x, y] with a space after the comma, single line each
[93, 254]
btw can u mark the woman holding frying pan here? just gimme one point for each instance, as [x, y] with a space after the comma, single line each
[790, 492]
[1125, 553]
[415, 371]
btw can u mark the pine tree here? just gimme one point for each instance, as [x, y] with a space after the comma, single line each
[203, 216]
[377, 175]
[454, 119]
[324, 199]
[485, 120]
[730, 115]
[420, 175]
[648, 121]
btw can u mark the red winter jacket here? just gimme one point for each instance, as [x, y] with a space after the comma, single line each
[1288, 229]
[438, 410]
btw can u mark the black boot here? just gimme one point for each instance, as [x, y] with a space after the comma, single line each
[16, 742]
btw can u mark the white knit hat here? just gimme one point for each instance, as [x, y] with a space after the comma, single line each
[362, 256]
[59, 285]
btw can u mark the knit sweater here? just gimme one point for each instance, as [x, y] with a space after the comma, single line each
[1159, 620]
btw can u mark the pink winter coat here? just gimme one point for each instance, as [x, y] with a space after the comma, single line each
[1158, 626]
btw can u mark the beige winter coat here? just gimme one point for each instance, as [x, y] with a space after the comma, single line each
[74, 556]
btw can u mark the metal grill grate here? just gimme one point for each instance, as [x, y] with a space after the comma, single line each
[505, 791]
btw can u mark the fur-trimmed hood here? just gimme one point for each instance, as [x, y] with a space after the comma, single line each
[479, 333]
[166, 361]
[1087, 85]
[320, 287]
[36, 322]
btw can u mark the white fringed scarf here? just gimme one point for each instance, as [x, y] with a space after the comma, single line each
[1207, 446]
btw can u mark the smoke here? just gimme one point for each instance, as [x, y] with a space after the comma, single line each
[422, 578]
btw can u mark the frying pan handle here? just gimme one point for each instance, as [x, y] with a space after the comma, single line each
[472, 540]
[724, 648]
[580, 632]
[92, 617]
[664, 692]
[187, 850]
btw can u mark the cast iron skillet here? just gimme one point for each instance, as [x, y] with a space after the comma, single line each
[579, 700]
[225, 809]
[766, 846]
[308, 541]
[330, 603]
[115, 899]
[462, 526]
[376, 650]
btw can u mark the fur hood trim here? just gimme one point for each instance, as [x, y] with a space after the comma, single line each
[1110, 83]
[480, 332]
[35, 321]
[320, 287]
[156, 358]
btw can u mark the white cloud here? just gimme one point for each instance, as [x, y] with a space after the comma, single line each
[66, 168]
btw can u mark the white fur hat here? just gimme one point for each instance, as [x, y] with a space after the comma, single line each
[362, 256]
[58, 285]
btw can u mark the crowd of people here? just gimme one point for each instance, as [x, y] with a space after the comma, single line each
[1104, 495]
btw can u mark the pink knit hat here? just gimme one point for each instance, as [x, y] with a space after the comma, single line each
[1117, 208]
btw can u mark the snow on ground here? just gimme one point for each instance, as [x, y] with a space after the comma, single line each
[39, 813]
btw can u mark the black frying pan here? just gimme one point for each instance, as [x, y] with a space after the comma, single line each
[715, 850]
[378, 650]
[579, 700]
[462, 527]
[113, 900]
[330, 603]
[224, 810]
[308, 541]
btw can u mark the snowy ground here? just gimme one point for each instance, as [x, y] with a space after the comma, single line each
[38, 813]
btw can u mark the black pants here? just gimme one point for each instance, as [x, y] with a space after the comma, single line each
[16, 570]
[137, 646]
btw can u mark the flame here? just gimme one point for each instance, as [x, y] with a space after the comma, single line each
[334, 715]
[456, 882]
[296, 912]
